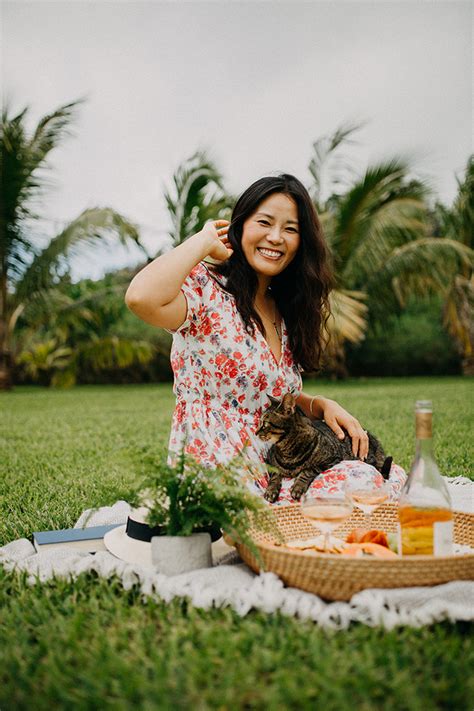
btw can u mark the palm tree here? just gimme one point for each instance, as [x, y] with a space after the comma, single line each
[378, 230]
[198, 195]
[28, 274]
[458, 224]
[376, 224]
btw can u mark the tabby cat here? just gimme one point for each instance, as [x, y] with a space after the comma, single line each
[303, 448]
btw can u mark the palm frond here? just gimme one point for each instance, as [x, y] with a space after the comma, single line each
[328, 169]
[14, 175]
[113, 352]
[458, 314]
[93, 226]
[55, 306]
[51, 129]
[381, 185]
[327, 219]
[21, 158]
[391, 225]
[348, 319]
[423, 267]
[198, 196]
[347, 322]
[458, 222]
[68, 312]
[45, 356]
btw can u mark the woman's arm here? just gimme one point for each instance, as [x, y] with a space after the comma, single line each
[318, 407]
[154, 294]
[311, 405]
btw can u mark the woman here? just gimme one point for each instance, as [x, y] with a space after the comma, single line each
[245, 325]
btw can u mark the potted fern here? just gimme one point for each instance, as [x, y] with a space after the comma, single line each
[188, 504]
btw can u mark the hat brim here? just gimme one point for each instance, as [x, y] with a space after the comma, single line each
[128, 549]
[137, 552]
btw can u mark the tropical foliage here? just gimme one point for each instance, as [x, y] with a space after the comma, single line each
[197, 196]
[413, 342]
[458, 224]
[29, 275]
[380, 235]
[388, 247]
[85, 337]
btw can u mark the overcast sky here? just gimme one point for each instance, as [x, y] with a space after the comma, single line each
[256, 83]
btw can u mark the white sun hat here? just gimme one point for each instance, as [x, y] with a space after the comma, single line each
[132, 541]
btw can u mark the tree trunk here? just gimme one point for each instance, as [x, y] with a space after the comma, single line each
[467, 320]
[468, 365]
[334, 361]
[6, 381]
[462, 330]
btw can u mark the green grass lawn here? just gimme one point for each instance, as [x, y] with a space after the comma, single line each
[90, 644]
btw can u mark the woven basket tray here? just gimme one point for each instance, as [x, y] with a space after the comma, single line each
[337, 578]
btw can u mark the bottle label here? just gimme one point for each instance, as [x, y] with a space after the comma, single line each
[443, 537]
[424, 424]
[428, 540]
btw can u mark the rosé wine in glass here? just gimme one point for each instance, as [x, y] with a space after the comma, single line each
[368, 495]
[327, 510]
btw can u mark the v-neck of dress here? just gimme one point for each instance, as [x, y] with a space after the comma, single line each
[276, 360]
[282, 344]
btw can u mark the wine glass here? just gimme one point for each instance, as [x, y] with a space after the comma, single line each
[368, 494]
[327, 509]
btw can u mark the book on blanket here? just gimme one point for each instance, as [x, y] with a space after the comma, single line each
[81, 539]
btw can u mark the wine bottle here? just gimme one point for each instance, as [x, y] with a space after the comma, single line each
[424, 511]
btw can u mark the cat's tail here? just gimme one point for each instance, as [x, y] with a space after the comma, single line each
[386, 466]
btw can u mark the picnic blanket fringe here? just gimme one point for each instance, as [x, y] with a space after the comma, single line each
[232, 584]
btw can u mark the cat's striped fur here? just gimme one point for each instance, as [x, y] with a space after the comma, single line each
[303, 448]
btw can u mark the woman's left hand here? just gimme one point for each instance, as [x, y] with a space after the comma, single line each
[336, 417]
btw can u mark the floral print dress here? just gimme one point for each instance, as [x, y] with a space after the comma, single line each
[221, 379]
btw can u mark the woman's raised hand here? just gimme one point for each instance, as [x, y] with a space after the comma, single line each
[220, 249]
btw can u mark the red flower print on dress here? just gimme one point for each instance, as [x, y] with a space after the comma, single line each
[222, 375]
[206, 326]
[261, 382]
[230, 368]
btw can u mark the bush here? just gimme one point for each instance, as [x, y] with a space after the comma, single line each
[413, 343]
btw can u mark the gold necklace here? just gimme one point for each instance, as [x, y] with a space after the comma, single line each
[278, 333]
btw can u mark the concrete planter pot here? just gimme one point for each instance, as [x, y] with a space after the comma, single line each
[172, 555]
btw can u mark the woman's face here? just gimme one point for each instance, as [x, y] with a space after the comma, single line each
[270, 236]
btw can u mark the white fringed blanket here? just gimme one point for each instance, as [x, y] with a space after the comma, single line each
[231, 583]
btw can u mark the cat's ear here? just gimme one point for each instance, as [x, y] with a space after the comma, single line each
[288, 403]
[273, 400]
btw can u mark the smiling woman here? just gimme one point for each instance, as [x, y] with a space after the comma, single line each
[245, 326]
[269, 239]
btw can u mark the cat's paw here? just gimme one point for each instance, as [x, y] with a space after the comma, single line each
[297, 490]
[271, 495]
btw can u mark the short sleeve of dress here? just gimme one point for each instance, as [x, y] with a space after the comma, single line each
[198, 291]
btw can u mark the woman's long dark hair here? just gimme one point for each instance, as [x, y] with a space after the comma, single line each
[301, 291]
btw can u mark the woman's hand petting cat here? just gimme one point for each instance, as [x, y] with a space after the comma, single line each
[336, 417]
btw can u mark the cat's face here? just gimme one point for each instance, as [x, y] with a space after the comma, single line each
[277, 419]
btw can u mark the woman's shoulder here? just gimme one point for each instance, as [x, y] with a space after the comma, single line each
[199, 277]
[218, 279]
[203, 280]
